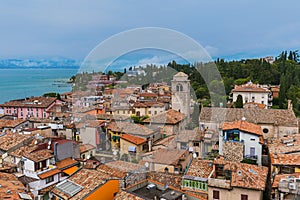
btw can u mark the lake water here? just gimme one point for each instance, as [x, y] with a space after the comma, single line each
[21, 83]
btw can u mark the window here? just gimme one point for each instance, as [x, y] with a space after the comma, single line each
[252, 139]
[155, 112]
[179, 88]
[265, 130]
[49, 179]
[252, 151]
[262, 102]
[233, 135]
[216, 194]
[196, 144]
[244, 197]
[149, 112]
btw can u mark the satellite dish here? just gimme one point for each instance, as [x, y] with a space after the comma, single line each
[194, 155]
[115, 153]
[49, 143]
[48, 147]
[35, 141]
[243, 118]
[147, 164]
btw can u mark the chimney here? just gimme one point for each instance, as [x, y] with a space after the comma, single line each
[290, 105]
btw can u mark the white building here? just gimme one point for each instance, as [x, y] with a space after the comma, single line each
[239, 140]
[253, 93]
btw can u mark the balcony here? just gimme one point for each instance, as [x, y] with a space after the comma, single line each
[252, 157]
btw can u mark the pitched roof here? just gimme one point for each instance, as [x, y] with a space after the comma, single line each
[49, 173]
[285, 159]
[86, 147]
[87, 179]
[11, 123]
[169, 117]
[65, 163]
[257, 116]
[200, 168]
[245, 175]
[167, 156]
[11, 140]
[250, 88]
[133, 139]
[10, 182]
[288, 144]
[121, 195]
[131, 128]
[35, 102]
[242, 126]
[278, 177]
[39, 155]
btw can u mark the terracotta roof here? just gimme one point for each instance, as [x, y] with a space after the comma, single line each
[24, 149]
[278, 177]
[49, 173]
[39, 155]
[86, 147]
[148, 95]
[188, 135]
[124, 166]
[121, 195]
[65, 163]
[288, 144]
[245, 175]
[131, 128]
[169, 117]
[285, 159]
[181, 74]
[11, 140]
[250, 88]
[173, 180]
[88, 179]
[11, 123]
[133, 139]
[200, 168]
[167, 156]
[243, 126]
[254, 104]
[148, 104]
[10, 182]
[257, 116]
[35, 102]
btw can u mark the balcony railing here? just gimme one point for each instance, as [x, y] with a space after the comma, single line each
[252, 157]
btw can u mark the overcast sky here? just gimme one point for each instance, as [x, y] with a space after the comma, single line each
[72, 28]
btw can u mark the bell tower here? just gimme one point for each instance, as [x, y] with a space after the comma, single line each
[181, 97]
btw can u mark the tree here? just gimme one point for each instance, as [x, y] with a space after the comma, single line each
[239, 102]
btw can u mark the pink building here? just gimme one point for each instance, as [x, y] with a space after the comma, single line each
[30, 107]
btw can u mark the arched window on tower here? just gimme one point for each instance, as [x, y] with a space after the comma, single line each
[179, 88]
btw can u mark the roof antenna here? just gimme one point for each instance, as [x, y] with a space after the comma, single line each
[243, 118]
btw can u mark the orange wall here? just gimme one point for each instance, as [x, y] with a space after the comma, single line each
[106, 191]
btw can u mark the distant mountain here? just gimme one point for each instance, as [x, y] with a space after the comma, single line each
[39, 63]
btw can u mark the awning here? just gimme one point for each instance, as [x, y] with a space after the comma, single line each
[132, 148]
[71, 170]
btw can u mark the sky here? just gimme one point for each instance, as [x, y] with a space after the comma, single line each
[72, 28]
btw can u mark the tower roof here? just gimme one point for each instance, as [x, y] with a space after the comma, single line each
[180, 74]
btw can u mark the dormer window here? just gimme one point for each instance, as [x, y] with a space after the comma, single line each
[233, 135]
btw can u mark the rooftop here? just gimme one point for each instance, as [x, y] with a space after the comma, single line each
[36, 102]
[10, 186]
[121, 195]
[288, 144]
[169, 117]
[257, 116]
[10, 123]
[200, 168]
[39, 155]
[65, 163]
[242, 125]
[245, 175]
[86, 147]
[11, 140]
[133, 139]
[167, 156]
[87, 180]
[131, 128]
[285, 159]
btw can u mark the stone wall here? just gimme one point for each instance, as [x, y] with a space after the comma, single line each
[233, 151]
